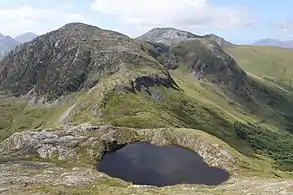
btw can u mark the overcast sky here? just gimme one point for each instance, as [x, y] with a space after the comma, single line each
[239, 21]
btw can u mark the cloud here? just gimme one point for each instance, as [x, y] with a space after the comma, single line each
[186, 14]
[282, 29]
[285, 26]
[23, 19]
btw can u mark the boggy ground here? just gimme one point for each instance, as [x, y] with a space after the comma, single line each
[62, 161]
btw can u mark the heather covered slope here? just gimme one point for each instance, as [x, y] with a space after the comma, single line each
[84, 74]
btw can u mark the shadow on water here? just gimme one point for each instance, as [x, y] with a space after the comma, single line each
[146, 164]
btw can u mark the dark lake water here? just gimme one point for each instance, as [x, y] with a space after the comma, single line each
[146, 164]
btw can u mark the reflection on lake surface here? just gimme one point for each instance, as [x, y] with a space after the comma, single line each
[146, 164]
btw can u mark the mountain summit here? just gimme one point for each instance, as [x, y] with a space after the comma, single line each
[201, 56]
[172, 35]
[166, 35]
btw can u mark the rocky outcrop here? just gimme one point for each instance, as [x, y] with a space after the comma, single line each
[84, 141]
[169, 36]
[88, 143]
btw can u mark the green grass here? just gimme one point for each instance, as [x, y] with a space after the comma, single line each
[271, 63]
[16, 115]
[197, 105]
[202, 106]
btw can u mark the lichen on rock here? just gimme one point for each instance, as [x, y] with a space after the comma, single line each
[88, 143]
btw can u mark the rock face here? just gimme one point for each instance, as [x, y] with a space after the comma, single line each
[167, 36]
[69, 59]
[201, 56]
[88, 143]
[170, 36]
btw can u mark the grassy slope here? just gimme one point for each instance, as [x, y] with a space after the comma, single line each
[272, 63]
[17, 115]
[198, 105]
[273, 68]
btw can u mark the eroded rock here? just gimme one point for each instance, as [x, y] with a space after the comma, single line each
[88, 143]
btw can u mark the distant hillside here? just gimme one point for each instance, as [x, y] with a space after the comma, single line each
[7, 44]
[26, 37]
[274, 43]
[271, 63]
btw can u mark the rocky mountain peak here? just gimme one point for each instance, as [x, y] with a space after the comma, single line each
[170, 36]
[166, 35]
[201, 56]
[1, 35]
[69, 59]
[77, 25]
[204, 59]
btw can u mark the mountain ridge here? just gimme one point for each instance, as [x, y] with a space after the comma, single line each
[202, 66]
[173, 35]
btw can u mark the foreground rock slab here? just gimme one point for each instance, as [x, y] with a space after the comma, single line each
[63, 161]
[89, 143]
